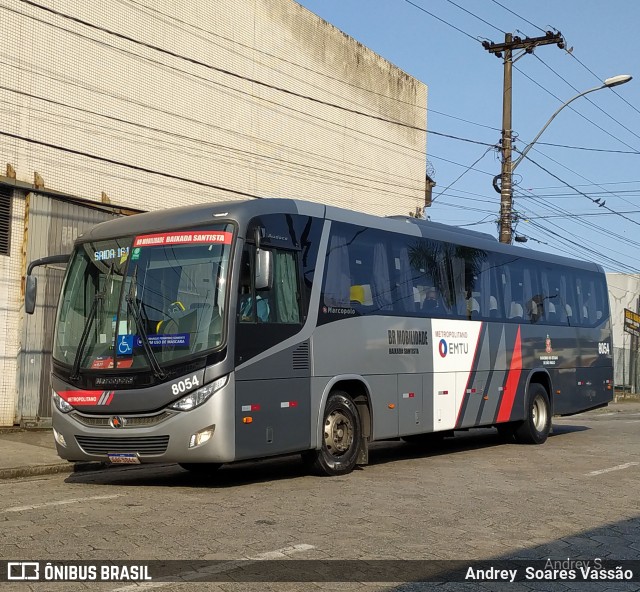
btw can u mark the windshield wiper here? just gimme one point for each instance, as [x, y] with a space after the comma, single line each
[133, 308]
[75, 372]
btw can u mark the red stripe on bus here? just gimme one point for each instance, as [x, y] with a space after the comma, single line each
[513, 378]
[81, 397]
[473, 365]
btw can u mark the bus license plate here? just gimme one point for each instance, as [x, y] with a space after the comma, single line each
[124, 458]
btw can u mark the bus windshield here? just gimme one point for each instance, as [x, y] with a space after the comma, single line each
[144, 301]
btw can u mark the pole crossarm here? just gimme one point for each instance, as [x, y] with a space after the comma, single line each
[528, 43]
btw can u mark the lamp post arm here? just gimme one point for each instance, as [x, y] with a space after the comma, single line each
[546, 125]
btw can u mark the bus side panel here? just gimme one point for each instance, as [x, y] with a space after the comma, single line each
[483, 392]
[272, 417]
[273, 403]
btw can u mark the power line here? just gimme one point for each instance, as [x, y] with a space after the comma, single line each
[199, 141]
[128, 165]
[588, 99]
[586, 179]
[573, 55]
[189, 119]
[469, 168]
[497, 129]
[574, 110]
[149, 9]
[609, 151]
[200, 63]
[476, 16]
[441, 20]
[519, 16]
[580, 192]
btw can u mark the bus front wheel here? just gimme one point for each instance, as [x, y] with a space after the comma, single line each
[537, 424]
[341, 438]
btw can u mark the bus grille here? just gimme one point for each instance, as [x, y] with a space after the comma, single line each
[143, 446]
[132, 421]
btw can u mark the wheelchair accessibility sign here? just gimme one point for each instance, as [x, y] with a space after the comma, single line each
[125, 345]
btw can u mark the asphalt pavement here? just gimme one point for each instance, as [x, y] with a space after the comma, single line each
[27, 453]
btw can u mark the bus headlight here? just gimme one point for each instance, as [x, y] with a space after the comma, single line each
[202, 437]
[60, 403]
[59, 438]
[198, 397]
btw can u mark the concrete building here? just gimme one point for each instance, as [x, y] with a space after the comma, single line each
[624, 292]
[135, 106]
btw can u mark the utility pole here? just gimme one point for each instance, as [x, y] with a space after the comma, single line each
[528, 44]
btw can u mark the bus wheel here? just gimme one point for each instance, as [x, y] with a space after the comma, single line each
[341, 438]
[537, 425]
[201, 468]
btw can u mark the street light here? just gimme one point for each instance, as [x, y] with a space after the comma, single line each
[507, 190]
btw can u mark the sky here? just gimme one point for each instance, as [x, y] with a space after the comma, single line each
[591, 150]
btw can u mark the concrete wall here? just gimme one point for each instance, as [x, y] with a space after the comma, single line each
[90, 91]
[624, 291]
[206, 112]
[10, 318]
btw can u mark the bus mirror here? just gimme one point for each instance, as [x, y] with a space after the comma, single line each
[31, 283]
[264, 269]
[31, 288]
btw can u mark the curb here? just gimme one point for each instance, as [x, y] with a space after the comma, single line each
[40, 470]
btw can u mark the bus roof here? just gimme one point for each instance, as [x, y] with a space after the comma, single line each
[242, 212]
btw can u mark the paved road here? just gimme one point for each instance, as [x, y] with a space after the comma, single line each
[474, 497]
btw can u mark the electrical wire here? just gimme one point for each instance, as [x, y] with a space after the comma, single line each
[588, 99]
[519, 16]
[171, 20]
[574, 110]
[469, 168]
[442, 20]
[197, 62]
[476, 16]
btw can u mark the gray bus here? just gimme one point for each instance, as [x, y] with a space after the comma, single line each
[230, 331]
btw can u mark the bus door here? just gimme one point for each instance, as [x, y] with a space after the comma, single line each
[273, 381]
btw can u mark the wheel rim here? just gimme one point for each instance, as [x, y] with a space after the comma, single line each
[338, 432]
[539, 414]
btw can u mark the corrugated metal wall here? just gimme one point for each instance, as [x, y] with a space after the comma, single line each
[52, 226]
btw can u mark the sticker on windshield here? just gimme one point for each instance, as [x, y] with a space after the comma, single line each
[106, 363]
[125, 345]
[160, 340]
[135, 254]
[182, 238]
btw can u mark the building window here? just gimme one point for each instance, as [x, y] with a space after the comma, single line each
[5, 220]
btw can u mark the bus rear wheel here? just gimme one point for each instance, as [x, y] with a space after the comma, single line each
[537, 424]
[201, 468]
[341, 438]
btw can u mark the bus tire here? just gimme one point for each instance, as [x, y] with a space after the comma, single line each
[341, 438]
[201, 468]
[537, 424]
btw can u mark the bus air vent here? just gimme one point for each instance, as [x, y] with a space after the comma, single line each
[301, 357]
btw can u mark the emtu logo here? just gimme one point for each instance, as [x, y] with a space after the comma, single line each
[453, 347]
